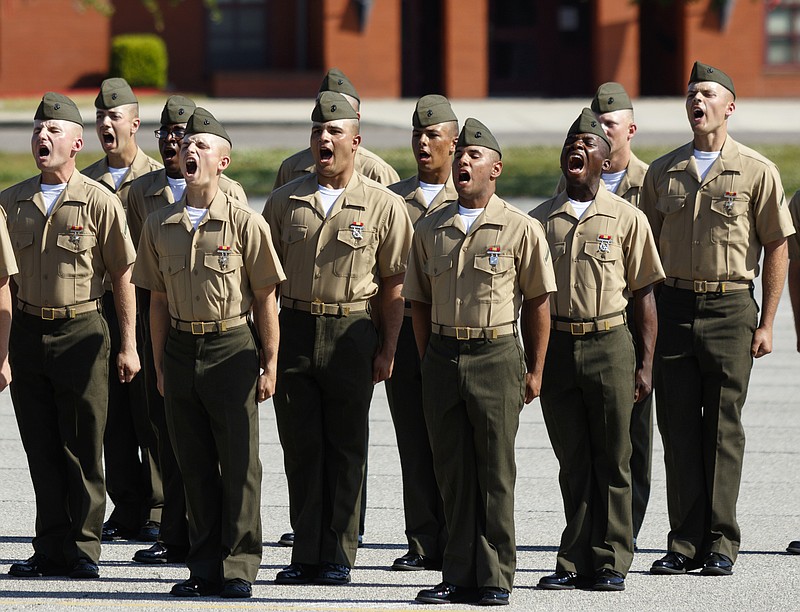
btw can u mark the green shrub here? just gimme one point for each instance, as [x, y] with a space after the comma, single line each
[141, 59]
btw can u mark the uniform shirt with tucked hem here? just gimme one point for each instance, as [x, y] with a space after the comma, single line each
[63, 257]
[208, 274]
[597, 257]
[342, 256]
[714, 229]
[479, 278]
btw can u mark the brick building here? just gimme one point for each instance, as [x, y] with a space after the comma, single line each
[391, 48]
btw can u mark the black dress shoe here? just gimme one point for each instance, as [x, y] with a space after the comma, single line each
[794, 547]
[114, 531]
[38, 565]
[492, 596]
[236, 589]
[158, 553]
[413, 562]
[84, 569]
[287, 539]
[716, 564]
[444, 592]
[672, 563]
[194, 587]
[608, 580]
[297, 573]
[333, 573]
[149, 532]
[561, 581]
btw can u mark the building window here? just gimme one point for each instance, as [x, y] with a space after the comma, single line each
[783, 32]
[238, 40]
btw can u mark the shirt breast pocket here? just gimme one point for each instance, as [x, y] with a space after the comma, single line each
[492, 277]
[172, 268]
[603, 269]
[730, 223]
[75, 255]
[436, 269]
[673, 225]
[22, 242]
[354, 257]
[223, 278]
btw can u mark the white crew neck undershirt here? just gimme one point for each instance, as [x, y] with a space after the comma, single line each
[430, 190]
[704, 161]
[178, 186]
[580, 207]
[613, 179]
[468, 215]
[328, 197]
[195, 215]
[118, 174]
[51, 193]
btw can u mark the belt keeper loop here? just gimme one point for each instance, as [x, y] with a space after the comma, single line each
[223, 326]
[70, 311]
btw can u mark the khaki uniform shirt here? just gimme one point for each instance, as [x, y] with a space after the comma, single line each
[629, 188]
[794, 240]
[714, 229]
[338, 258]
[63, 257]
[367, 163]
[596, 258]
[8, 263]
[142, 164]
[416, 206]
[150, 192]
[478, 279]
[208, 274]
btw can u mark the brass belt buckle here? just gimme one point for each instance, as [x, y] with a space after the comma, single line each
[577, 329]
[317, 308]
[198, 328]
[344, 310]
[700, 286]
[51, 312]
[462, 333]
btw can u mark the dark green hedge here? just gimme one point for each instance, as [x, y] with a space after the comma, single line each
[141, 59]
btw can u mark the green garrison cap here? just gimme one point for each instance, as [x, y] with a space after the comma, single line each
[332, 106]
[178, 109]
[432, 109]
[57, 106]
[335, 80]
[704, 72]
[114, 92]
[611, 97]
[587, 123]
[474, 133]
[203, 122]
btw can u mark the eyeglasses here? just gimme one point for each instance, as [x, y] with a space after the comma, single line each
[177, 134]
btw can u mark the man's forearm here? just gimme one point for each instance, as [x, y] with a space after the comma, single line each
[776, 263]
[125, 304]
[391, 311]
[265, 316]
[536, 332]
[159, 326]
[646, 322]
[421, 322]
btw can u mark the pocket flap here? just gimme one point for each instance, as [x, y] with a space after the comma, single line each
[223, 266]
[171, 264]
[503, 263]
[594, 250]
[77, 243]
[436, 265]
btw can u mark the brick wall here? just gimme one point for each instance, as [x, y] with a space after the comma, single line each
[50, 45]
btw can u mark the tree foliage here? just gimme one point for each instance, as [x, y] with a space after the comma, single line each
[106, 7]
